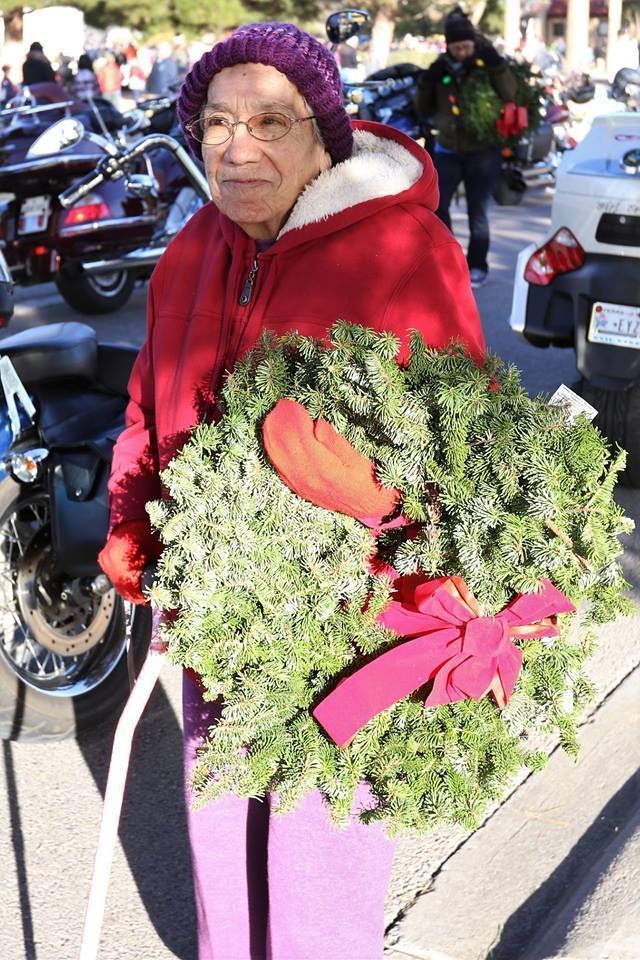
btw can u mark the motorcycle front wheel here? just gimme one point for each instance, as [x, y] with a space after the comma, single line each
[95, 293]
[63, 663]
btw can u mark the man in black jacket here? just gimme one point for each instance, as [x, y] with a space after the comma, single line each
[36, 68]
[458, 156]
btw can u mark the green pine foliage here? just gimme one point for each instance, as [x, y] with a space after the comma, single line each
[275, 600]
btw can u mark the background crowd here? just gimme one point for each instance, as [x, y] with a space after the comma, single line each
[119, 74]
[129, 71]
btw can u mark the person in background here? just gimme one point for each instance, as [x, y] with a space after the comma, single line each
[36, 67]
[310, 220]
[349, 61]
[180, 52]
[109, 77]
[8, 89]
[624, 54]
[64, 70]
[457, 155]
[85, 83]
[164, 72]
[136, 79]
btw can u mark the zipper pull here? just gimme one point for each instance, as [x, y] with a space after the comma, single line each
[247, 290]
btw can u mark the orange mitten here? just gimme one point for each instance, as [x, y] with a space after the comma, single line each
[130, 548]
[321, 466]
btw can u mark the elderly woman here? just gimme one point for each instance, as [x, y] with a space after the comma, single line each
[312, 220]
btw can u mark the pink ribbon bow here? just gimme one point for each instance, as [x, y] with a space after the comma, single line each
[465, 654]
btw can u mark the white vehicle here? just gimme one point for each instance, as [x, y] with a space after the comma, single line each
[581, 287]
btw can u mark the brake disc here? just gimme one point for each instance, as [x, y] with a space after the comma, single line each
[56, 616]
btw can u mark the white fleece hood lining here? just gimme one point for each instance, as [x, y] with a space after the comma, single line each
[378, 167]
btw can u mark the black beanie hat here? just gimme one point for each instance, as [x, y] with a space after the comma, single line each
[458, 27]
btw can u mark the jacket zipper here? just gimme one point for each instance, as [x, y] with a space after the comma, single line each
[247, 290]
[243, 300]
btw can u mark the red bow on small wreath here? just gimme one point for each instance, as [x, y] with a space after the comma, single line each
[513, 120]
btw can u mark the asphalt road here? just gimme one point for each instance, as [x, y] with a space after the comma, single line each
[50, 796]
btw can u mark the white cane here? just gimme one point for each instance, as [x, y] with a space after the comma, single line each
[114, 794]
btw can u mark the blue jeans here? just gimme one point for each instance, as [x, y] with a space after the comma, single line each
[479, 172]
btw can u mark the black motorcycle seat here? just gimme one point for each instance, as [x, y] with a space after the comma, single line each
[115, 362]
[53, 352]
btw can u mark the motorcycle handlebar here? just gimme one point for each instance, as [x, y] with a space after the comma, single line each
[113, 167]
[80, 189]
[24, 108]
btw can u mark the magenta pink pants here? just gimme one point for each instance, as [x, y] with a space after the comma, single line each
[289, 887]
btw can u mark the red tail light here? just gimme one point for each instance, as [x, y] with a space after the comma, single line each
[91, 208]
[561, 254]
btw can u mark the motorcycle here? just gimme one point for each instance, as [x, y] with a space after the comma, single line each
[579, 288]
[96, 250]
[388, 97]
[625, 88]
[385, 96]
[68, 643]
[69, 646]
[534, 160]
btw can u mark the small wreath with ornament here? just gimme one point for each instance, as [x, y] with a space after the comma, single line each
[484, 114]
[375, 568]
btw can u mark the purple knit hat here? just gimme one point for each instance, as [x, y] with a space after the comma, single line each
[304, 61]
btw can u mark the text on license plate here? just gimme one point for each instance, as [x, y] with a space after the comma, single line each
[615, 324]
[34, 215]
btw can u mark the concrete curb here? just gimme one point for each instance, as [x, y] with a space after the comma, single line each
[600, 919]
[493, 897]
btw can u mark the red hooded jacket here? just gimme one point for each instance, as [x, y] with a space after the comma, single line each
[362, 244]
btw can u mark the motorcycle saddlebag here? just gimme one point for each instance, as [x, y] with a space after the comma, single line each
[80, 504]
[535, 147]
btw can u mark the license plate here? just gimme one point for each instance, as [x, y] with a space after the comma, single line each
[34, 215]
[615, 324]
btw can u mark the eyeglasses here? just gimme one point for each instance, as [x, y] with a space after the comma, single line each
[212, 129]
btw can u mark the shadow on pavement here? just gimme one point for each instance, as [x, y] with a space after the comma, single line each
[542, 908]
[17, 843]
[153, 827]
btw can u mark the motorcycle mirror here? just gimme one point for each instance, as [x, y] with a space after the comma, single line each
[343, 24]
[59, 136]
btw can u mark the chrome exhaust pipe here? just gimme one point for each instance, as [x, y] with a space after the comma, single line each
[144, 257]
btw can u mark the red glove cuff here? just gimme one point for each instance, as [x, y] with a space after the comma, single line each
[130, 548]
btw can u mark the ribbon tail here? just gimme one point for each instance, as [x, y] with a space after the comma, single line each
[377, 686]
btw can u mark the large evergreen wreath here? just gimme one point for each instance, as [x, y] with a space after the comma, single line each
[276, 598]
